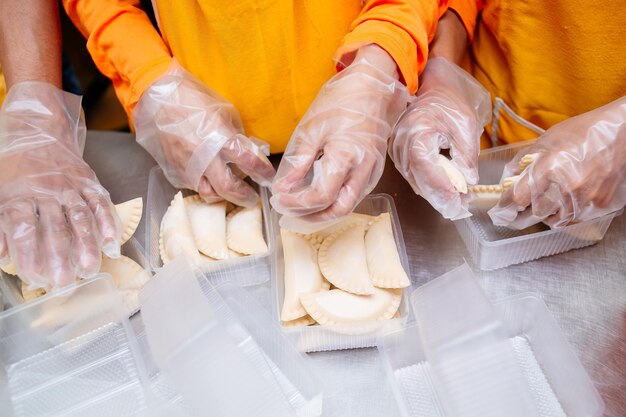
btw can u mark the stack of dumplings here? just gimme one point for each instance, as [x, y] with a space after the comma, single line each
[128, 276]
[206, 232]
[349, 272]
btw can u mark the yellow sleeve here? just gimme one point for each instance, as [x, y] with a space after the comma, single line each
[123, 44]
[402, 28]
[467, 11]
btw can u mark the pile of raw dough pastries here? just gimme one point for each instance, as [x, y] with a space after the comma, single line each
[358, 257]
[206, 232]
[128, 276]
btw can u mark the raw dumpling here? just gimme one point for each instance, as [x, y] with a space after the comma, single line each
[31, 294]
[454, 175]
[244, 230]
[176, 237]
[128, 277]
[208, 224]
[341, 224]
[302, 274]
[383, 260]
[9, 268]
[337, 306]
[343, 261]
[301, 322]
[130, 214]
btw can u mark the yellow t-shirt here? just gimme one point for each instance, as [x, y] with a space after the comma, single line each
[268, 57]
[549, 60]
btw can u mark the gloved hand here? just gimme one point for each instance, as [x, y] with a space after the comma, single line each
[449, 112]
[580, 173]
[196, 137]
[336, 154]
[55, 217]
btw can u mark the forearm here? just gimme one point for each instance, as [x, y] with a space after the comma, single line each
[450, 40]
[30, 41]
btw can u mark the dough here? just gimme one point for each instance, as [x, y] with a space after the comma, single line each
[455, 176]
[208, 225]
[176, 237]
[383, 260]
[244, 230]
[128, 277]
[301, 322]
[343, 262]
[130, 214]
[302, 273]
[337, 306]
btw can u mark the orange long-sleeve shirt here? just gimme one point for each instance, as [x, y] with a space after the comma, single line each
[269, 57]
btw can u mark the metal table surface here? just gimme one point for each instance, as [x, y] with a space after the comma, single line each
[584, 289]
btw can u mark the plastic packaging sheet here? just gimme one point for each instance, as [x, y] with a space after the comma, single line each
[223, 360]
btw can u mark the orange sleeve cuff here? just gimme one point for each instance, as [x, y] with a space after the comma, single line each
[467, 11]
[123, 44]
[402, 28]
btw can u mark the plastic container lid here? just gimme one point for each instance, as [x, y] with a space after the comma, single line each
[244, 271]
[466, 357]
[221, 352]
[492, 247]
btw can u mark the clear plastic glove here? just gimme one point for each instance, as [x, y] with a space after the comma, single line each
[579, 175]
[197, 139]
[449, 112]
[336, 154]
[55, 217]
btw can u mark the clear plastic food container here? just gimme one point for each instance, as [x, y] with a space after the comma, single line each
[247, 270]
[218, 352]
[320, 338]
[63, 357]
[467, 357]
[492, 247]
[11, 285]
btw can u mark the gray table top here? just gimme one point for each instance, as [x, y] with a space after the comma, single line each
[584, 289]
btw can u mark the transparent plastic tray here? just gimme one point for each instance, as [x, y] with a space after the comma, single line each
[492, 247]
[11, 285]
[219, 351]
[61, 357]
[321, 338]
[439, 366]
[247, 270]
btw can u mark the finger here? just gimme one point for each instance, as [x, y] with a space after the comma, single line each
[350, 194]
[108, 223]
[85, 237]
[329, 175]
[229, 186]
[4, 249]
[207, 192]
[294, 166]
[19, 224]
[56, 242]
[249, 158]
[603, 195]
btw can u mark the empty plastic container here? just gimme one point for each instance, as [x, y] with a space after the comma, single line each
[466, 357]
[220, 352]
[347, 336]
[492, 247]
[62, 355]
[247, 270]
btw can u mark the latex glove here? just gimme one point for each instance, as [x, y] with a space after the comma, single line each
[336, 154]
[449, 112]
[580, 173]
[55, 216]
[197, 137]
